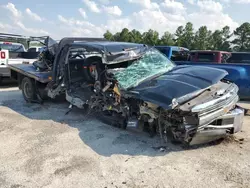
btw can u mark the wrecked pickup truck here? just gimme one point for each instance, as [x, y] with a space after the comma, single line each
[135, 86]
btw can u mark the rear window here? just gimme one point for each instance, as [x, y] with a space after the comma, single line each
[177, 55]
[206, 57]
[182, 55]
[239, 58]
[12, 47]
[225, 57]
[165, 50]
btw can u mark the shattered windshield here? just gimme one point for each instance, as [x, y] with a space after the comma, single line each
[151, 64]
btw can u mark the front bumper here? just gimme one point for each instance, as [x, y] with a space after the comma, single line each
[229, 123]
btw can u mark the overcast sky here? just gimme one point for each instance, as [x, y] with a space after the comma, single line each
[59, 18]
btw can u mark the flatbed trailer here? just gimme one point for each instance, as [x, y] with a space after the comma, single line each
[31, 72]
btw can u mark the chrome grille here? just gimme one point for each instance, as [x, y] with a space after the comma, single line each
[221, 105]
[219, 101]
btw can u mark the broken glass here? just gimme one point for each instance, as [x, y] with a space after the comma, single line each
[151, 64]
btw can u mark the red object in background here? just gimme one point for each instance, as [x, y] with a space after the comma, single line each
[208, 56]
[3, 55]
[7, 43]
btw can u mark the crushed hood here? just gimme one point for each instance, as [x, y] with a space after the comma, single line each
[178, 82]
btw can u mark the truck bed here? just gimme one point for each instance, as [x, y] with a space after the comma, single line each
[30, 71]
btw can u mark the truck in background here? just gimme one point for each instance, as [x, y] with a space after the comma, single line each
[174, 53]
[209, 56]
[239, 57]
[238, 69]
[238, 72]
[204, 56]
[15, 53]
[5, 49]
[34, 49]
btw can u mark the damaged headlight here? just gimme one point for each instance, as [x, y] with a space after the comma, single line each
[174, 103]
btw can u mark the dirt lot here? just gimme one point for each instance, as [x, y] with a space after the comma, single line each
[40, 146]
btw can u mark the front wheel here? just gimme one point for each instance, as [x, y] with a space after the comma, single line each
[28, 89]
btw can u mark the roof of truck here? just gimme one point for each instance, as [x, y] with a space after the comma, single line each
[174, 48]
[240, 52]
[110, 46]
[109, 43]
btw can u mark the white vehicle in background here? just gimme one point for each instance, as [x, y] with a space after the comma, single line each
[4, 54]
[34, 49]
[15, 53]
[5, 49]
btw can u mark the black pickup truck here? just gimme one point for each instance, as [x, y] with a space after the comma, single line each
[135, 86]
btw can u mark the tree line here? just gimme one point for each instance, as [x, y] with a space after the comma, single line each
[186, 36]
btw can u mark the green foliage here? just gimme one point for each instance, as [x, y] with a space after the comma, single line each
[202, 39]
[151, 37]
[242, 38]
[186, 36]
[108, 35]
[124, 35]
[167, 39]
[136, 36]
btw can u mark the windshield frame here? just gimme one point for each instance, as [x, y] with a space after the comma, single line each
[151, 74]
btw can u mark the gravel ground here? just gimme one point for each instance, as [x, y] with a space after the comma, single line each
[40, 146]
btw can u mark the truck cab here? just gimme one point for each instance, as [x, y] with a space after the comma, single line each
[239, 57]
[174, 53]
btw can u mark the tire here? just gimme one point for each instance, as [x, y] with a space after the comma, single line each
[28, 89]
[1, 80]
